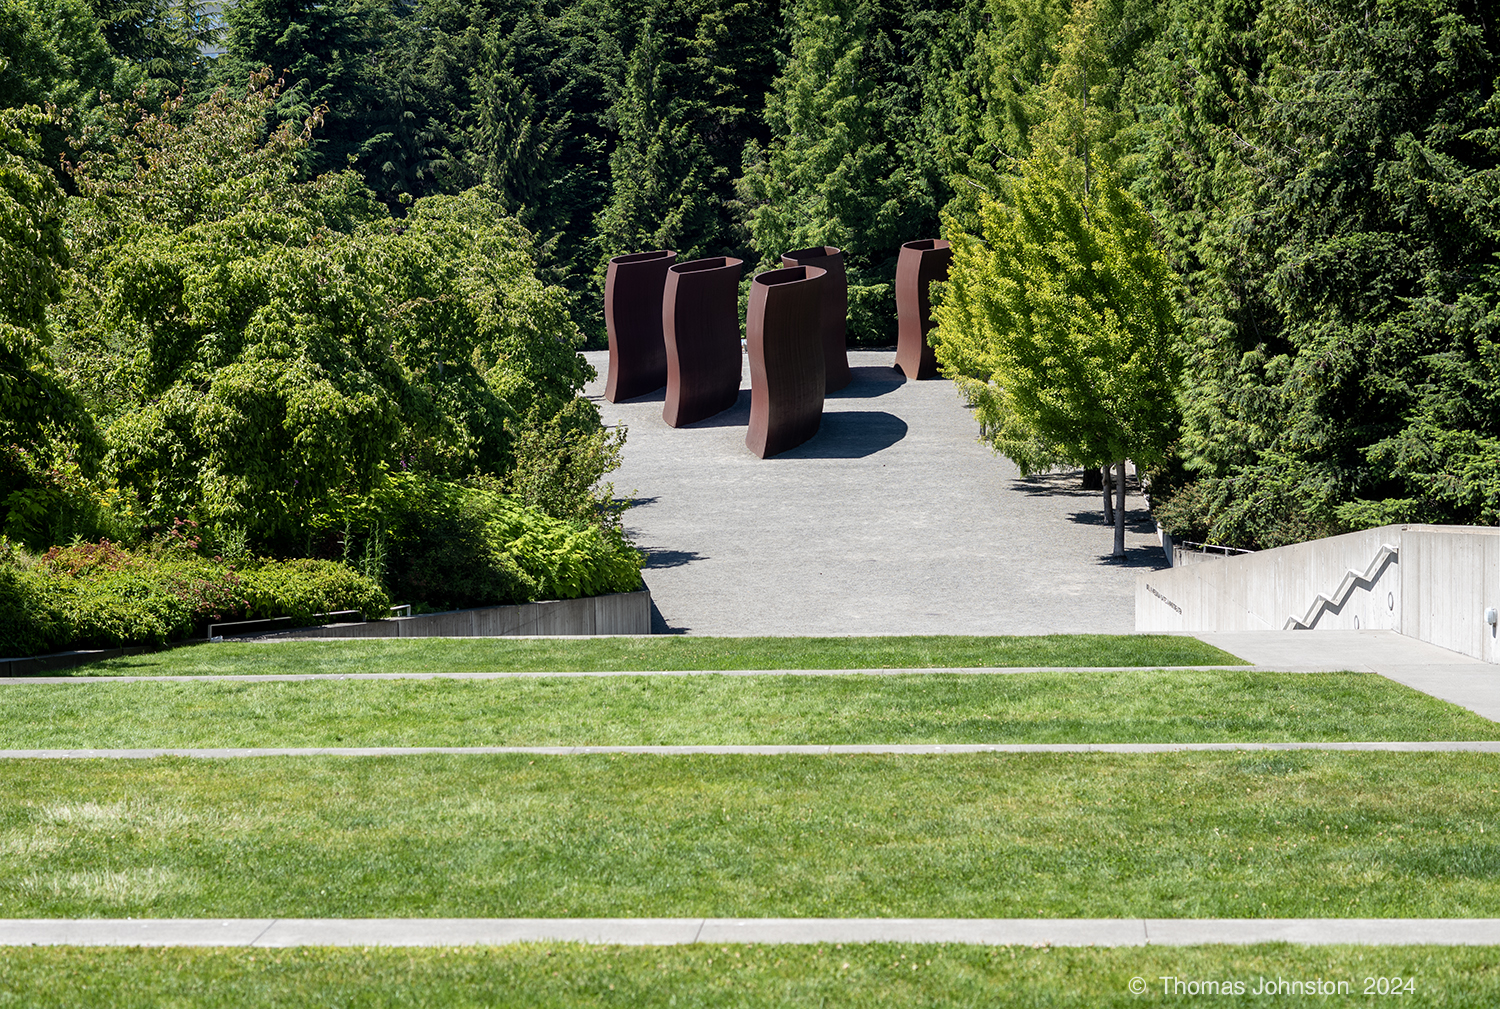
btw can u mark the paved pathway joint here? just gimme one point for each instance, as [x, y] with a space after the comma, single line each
[774, 750]
[287, 932]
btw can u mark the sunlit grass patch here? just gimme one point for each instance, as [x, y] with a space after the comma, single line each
[996, 835]
[669, 652]
[1134, 706]
[104, 888]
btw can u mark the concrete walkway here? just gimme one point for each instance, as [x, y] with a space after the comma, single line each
[749, 750]
[892, 520]
[1444, 674]
[284, 932]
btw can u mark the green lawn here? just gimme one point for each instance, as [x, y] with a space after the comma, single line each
[1134, 706]
[668, 652]
[1045, 835]
[555, 975]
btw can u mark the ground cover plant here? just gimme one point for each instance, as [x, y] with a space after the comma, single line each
[877, 974]
[1031, 835]
[1151, 705]
[671, 652]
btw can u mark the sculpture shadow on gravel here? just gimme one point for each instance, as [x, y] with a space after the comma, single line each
[851, 434]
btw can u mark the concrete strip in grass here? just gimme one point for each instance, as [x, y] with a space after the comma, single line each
[290, 932]
[904, 671]
[897, 749]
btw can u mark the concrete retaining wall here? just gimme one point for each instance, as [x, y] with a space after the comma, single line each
[35, 665]
[1449, 576]
[621, 613]
[1435, 586]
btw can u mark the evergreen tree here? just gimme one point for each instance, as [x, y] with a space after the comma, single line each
[997, 55]
[690, 100]
[1318, 170]
[157, 44]
[518, 96]
[541, 132]
[322, 53]
[833, 172]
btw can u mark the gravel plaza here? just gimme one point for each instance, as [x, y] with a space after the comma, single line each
[893, 519]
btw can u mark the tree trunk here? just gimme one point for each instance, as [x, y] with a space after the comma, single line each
[1109, 507]
[1119, 509]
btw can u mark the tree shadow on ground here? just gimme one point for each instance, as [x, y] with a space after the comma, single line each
[852, 434]
[1147, 558]
[1057, 483]
[671, 558]
[1137, 520]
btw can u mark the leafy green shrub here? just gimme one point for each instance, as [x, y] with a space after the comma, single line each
[301, 588]
[120, 608]
[27, 625]
[567, 560]
[450, 545]
[99, 595]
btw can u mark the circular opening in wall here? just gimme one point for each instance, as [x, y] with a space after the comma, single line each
[1390, 600]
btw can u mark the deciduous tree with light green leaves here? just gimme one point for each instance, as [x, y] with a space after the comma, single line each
[1058, 320]
[259, 347]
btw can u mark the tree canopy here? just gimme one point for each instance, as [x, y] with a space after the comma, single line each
[1250, 245]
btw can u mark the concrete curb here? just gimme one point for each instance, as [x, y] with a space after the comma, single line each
[891, 749]
[286, 932]
[952, 670]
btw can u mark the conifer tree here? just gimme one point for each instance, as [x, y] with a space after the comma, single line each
[321, 52]
[690, 99]
[833, 172]
[1318, 168]
[994, 58]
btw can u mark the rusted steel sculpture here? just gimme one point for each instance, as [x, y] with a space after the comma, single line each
[783, 333]
[700, 323]
[835, 310]
[919, 265]
[632, 314]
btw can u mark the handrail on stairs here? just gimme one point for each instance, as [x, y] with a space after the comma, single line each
[1340, 594]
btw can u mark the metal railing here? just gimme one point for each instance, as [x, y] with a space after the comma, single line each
[275, 620]
[1213, 548]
